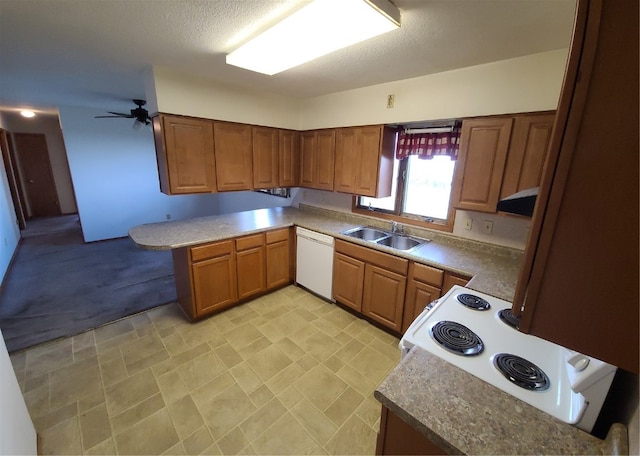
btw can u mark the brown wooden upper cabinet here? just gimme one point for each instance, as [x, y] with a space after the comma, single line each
[364, 160]
[527, 152]
[500, 156]
[289, 158]
[184, 151]
[483, 152]
[233, 155]
[317, 157]
[265, 157]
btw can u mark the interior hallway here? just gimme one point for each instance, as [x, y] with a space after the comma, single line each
[287, 373]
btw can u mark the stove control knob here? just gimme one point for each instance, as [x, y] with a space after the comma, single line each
[579, 362]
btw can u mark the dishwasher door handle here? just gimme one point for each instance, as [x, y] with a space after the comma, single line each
[317, 241]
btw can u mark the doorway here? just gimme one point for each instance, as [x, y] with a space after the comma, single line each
[35, 166]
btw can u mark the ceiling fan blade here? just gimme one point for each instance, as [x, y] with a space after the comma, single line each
[121, 114]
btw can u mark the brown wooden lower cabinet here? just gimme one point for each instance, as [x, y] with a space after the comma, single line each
[278, 252]
[383, 296]
[218, 275]
[384, 288]
[451, 279]
[370, 282]
[423, 286]
[205, 277]
[250, 264]
[398, 437]
[348, 281]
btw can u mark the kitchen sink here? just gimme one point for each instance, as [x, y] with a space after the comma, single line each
[366, 234]
[400, 242]
[376, 236]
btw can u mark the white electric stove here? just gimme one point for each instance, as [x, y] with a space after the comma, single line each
[465, 328]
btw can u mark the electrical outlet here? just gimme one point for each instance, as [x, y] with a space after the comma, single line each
[487, 228]
[468, 223]
[168, 216]
[390, 100]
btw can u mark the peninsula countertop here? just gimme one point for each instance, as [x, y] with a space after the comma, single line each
[465, 415]
[494, 269]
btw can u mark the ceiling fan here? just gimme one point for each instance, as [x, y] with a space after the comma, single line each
[140, 114]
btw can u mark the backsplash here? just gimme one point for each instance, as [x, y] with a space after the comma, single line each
[507, 231]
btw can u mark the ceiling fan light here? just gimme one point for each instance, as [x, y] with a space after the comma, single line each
[317, 29]
[27, 113]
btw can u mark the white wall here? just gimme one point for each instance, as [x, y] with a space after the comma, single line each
[115, 176]
[17, 434]
[530, 83]
[246, 201]
[49, 125]
[180, 93]
[9, 230]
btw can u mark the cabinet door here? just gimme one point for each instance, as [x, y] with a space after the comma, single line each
[368, 162]
[265, 157]
[234, 157]
[483, 152]
[419, 294]
[527, 152]
[251, 272]
[383, 296]
[289, 158]
[278, 264]
[214, 284]
[308, 146]
[184, 148]
[398, 437]
[348, 156]
[325, 156]
[348, 280]
[453, 279]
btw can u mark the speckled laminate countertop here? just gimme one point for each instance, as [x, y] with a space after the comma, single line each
[436, 397]
[494, 269]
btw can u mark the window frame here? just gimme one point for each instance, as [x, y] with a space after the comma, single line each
[409, 219]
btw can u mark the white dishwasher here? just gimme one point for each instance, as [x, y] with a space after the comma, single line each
[314, 261]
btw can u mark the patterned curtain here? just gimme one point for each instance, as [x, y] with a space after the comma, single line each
[428, 145]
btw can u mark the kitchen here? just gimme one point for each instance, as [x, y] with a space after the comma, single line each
[164, 81]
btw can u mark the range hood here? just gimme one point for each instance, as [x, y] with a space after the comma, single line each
[521, 203]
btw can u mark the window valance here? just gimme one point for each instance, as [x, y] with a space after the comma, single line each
[428, 145]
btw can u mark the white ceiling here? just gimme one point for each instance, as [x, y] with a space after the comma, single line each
[94, 52]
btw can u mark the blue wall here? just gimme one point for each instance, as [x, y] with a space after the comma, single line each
[115, 176]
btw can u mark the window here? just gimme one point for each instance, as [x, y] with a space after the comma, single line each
[421, 192]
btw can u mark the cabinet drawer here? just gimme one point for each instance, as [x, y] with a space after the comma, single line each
[427, 274]
[384, 260]
[249, 242]
[277, 235]
[204, 252]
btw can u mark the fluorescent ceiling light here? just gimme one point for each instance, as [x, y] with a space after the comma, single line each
[318, 28]
[27, 113]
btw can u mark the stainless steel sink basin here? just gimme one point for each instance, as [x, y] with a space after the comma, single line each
[400, 242]
[376, 236]
[366, 234]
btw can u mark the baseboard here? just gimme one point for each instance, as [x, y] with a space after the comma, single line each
[13, 258]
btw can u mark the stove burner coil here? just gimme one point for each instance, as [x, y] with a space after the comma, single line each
[456, 338]
[509, 318]
[473, 302]
[521, 372]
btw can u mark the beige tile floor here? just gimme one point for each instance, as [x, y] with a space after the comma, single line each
[287, 373]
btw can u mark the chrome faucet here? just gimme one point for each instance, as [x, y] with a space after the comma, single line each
[396, 228]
